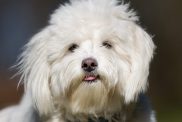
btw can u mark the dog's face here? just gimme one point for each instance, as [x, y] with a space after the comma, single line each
[91, 68]
[87, 63]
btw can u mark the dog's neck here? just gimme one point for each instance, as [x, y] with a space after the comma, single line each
[136, 110]
[121, 116]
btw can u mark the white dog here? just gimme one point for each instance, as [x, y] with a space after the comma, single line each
[90, 64]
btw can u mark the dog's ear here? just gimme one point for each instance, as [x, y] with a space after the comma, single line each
[142, 53]
[36, 72]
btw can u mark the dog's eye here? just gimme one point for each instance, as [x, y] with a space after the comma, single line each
[107, 44]
[72, 47]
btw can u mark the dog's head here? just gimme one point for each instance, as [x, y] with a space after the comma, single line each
[92, 57]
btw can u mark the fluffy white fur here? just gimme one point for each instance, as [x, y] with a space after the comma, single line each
[53, 77]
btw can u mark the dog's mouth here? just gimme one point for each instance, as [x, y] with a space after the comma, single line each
[91, 78]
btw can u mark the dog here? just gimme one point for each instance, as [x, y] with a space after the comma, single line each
[90, 64]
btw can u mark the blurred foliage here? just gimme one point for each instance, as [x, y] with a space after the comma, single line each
[169, 115]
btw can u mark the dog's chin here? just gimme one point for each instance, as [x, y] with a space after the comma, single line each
[91, 95]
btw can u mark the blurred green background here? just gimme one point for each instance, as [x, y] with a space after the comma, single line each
[20, 19]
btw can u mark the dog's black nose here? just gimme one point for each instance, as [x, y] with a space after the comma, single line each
[89, 64]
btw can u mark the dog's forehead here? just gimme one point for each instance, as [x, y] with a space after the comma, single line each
[90, 21]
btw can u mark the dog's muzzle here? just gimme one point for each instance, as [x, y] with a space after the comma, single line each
[89, 65]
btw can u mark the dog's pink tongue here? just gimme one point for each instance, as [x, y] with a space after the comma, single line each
[90, 78]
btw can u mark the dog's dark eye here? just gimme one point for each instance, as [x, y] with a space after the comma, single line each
[107, 44]
[72, 47]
